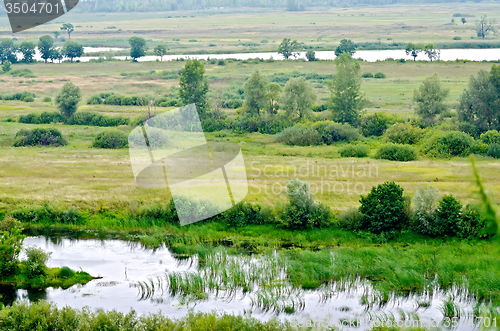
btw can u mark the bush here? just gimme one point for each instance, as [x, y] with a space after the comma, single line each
[9, 223]
[94, 100]
[28, 99]
[35, 263]
[111, 139]
[331, 132]
[113, 99]
[395, 152]
[383, 208]
[350, 219]
[242, 214]
[301, 212]
[43, 118]
[490, 137]
[96, 119]
[43, 137]
[354, 151]
[213, 124]
[424, 206]
[47, 99]
[447, 217]
[468, 128]
[457, 38]
[494, 150]
[66, 273]
[299, 135]
[471, 223]
[376, 124]
[367, 75]
[447, 144]
[379, 75]
[318, 108]
[404, 133]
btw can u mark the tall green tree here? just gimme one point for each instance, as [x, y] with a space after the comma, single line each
[161, 51]
[7, 50]
[46, 46]
[193, 86]
[430, 51]
[288, 48]
[72, 49]
[413, 50]
[346, 99]
[298, 98]
[67, 99]
[345, 46]
[479, 103]
[256, 92]
[27, 48]
[138, 47]
[430, 97]
[68, 27]
[273, 97]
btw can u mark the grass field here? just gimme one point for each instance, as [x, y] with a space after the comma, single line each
[229, 30]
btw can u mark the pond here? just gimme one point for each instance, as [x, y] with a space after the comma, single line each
[124, 265]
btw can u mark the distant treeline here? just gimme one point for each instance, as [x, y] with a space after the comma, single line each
[173, 5]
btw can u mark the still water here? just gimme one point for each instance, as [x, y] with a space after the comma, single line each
[123, 264]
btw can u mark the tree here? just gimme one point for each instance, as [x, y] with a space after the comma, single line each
[383, 208]
[346, 99]
[68, 27]
[430, 51]
[485, 26]
[256, 92]
[464, 20]
[6, 66]
[138, 47]
[67, 99]
[479, 103]
[273, 97]
[413, 50]
[56, 34]
[298, 97]
[193, 86]
[161, 51]
[7, 50]
[27, 48]
[311, 55]
[345, 46]
[56, 55]
[72, 49]
[217, 101]
[288, 48]
[46, 46]
[429, 98]
[10, 246]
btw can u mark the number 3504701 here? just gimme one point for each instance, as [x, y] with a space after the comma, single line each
[35, 8]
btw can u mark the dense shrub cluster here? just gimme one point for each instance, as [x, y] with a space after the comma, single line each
[396, 152]
[243, 214]
[96, 119]
[48, 213]
[326, 132]
[375, 124]
[43, 118]
[120, 100]
[267, 125]
[451, 143]
[111, 139]
[21, 96]
[404, 133]
[43, 137]
[354, 151]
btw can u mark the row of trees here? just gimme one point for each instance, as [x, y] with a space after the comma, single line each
[48, 51]
[289, 48]
[139, 47]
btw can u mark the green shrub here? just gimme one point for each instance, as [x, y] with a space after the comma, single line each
[383, 208]
[367, 75]
[47, 99]
[468, 128]
[447, 144]
[404, 133]
[331, 132]
[9, 223]
[350, 219]
[299, 135]
[111, 139]
[395, 152]
[35, 262]
[424, 206]
[155, 138]
[318, 108]
[43, 118]
[457, 38]
[375, 124]
[471, 223]
[29, 99]
[447, 217]
[354, 151]
[66, 273]
[113, 99]
[43, 137]
[301, 212]
[243, 214]
[71, 216]
[494, 150]
[94, 100]
[214, 125]
[490, 137]
[379, 75]
[96, 119]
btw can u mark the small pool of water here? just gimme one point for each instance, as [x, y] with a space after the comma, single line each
[122, 265]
